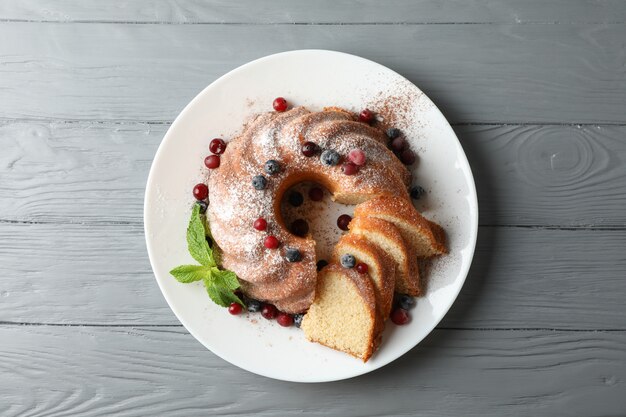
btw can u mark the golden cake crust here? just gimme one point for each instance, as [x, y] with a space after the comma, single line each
[425, 237]
[377, 231]
[381, 267]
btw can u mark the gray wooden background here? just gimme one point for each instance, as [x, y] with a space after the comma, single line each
[536, 91]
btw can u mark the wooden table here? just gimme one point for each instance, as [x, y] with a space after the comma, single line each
[536, 91]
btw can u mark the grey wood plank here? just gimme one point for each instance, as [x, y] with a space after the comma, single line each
[55, 371]
[510, 73]
[79, 172]
[323, 11]
[526, 175]
[520, 278]
[548, 175]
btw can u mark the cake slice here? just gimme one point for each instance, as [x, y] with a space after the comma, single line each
[425, 237]
[343, 315]
[381, 268]
[388, 238]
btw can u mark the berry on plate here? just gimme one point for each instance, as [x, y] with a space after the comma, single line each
[400, 316]
[366, 116]
[347, 260]
[212, 161]
[271, 242]
[343, 221]
[284, 319]
[357, 157]
[217, 146]
[268, 311]
[280, 104]
[260, 224]
[234, 308]
[309, 149]
[259, 182]
[200, 191]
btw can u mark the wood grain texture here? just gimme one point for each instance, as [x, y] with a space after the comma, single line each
[565, 176]
[570, 176]
[573, 73]
[520, 278]
[59, 371]
[76, 172]
[325, 11]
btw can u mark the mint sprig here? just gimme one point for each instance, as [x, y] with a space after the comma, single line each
[219, 283]
[196, 238]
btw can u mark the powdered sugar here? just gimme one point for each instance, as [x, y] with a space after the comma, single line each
[235, 203]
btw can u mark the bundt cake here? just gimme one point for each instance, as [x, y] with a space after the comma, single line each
[425, 237]
[347, 302]
[275, 151]
[373, 261]
[344, 315]
[387, 237]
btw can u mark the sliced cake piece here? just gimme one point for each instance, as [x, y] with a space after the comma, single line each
[380, 267]
[343, 315]
[387, 237]
[425, 237]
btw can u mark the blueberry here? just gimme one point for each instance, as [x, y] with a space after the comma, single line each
[272, 167]
[406, 301]
[259, 182]
[321, 264]
[393, 133]
[330, 157]
[254, 306]
[299, 227]
[297, 319]
[347, 261]
[417, 192]
[295, 199]
[293, 255]
[203, 206]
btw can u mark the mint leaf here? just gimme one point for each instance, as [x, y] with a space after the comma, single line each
[220, 294]
[219, 284]
[225, 278]
[190, 273]
[196, 239]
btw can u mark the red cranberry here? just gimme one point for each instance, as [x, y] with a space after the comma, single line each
[366, 116]
[280, 104]
[270, 242]
[299, 227]
[398, 144]
[316, 194]
[268, 311]
[349, 168]
[407, 157]
[234, 308]
[309, 149]
[260, 224]
[400, 316]
[212, 161]
[284, 319]
[200, 191]
[357, 157]
[361, 268]
[343, 221]
[217, 146]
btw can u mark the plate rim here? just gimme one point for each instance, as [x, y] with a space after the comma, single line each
[473, 202]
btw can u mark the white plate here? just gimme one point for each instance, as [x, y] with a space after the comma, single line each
[314, 78]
